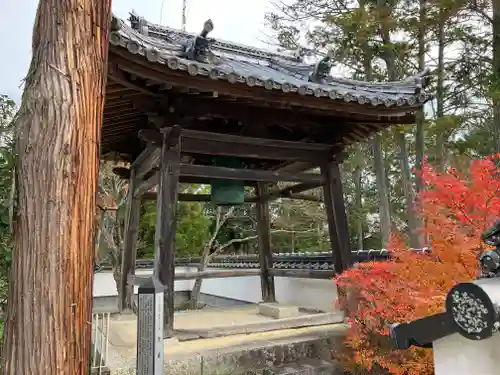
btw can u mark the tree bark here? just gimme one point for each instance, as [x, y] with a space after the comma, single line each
[496, 69]
[194, 300]
[48, 328]
[358, 198]
[220, 220]
[408, 192]
[383, 191]
[420, 133]
[442, 135]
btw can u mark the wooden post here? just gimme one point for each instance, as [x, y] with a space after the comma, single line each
[265, 255]
[132, 219]
[168, 190]
[337, 217]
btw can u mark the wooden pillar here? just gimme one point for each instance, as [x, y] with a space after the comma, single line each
[168, 190]
[265, 254]
[337, 217]
[132, 218]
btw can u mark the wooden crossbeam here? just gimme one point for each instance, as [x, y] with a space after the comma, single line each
[224, 173]
[124, 173]
[188, 197]
[209, 274]
[217, 144]
[218, 274]
[292, 191]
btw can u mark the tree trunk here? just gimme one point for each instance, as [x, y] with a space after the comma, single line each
[48, 328]
[358, 198]
[442, 133]
[383, 192]
[384, 14]
[496, 68]
[420, 134]
[196, 292]
[194, 300]
[408, 191]
[220, 220]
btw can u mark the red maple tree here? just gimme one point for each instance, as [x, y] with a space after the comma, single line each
[455, 208]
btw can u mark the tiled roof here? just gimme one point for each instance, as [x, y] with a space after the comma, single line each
[239, 64]
[308, 260]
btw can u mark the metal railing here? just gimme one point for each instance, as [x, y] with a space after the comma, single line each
[100, 343]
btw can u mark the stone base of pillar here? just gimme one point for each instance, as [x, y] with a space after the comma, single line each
[277, 311]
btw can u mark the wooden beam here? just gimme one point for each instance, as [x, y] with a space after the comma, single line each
[337, 217]
[219, 274]
[208, 143]
[190, 178]
[150, 156]
[296, 166]
[304, 197]
[124, 173]
[303, 274]
[197, 107]
[247, 174]
[222, 173]
[290, 191]
[117, 75]
[146, 161]
[152, 195]
[132, 219]
[166, 221]
[208, 274]
[265, 254]
[187, 197]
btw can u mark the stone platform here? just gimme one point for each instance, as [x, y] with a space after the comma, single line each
[233, 341]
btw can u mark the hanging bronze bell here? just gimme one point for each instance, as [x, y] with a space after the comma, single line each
[227, 192]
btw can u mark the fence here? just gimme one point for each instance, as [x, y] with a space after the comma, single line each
[100, 343]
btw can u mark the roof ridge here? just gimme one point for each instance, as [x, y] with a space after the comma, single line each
[263, 69]
[222, 43]
[218, 43]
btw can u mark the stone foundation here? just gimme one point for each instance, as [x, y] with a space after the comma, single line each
[277, 311]
[308, 353]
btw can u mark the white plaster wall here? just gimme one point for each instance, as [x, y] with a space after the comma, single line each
[104, 284]
[456, 355]
[307, 293]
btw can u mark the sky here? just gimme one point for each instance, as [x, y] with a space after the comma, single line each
[243, 23]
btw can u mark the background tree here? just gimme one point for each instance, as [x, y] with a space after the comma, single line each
[392, 39]
[457, 208]
[7, 112]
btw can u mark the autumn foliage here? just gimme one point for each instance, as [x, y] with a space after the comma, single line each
[455, 209]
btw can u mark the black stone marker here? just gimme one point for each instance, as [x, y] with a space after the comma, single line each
[150, 329]
[475, 308]
[472, 309]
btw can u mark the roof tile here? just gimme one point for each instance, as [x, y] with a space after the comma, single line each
[240, 64]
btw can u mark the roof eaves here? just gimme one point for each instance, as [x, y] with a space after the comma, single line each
[406, 94]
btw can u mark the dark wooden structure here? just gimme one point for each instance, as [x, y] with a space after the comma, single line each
[176, 100]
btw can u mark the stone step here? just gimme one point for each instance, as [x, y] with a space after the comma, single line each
[301, 354]
[307, 350]
[307, 367]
